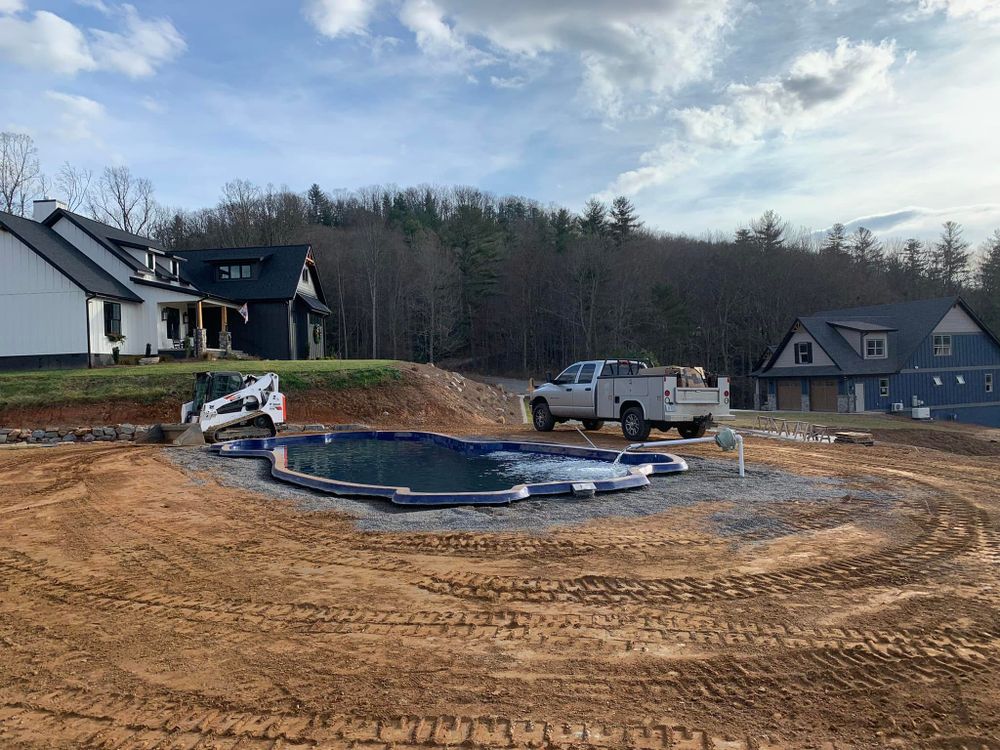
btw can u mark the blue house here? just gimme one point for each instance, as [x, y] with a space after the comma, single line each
[928, 353]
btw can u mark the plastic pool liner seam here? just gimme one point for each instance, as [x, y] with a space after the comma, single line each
[640, 467]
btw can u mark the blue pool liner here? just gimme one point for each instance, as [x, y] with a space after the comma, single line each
[640, 467]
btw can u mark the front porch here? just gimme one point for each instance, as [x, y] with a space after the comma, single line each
[195, 328]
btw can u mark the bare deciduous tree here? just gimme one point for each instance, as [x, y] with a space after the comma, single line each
[72, 185]
[125, 201]
[20, 173]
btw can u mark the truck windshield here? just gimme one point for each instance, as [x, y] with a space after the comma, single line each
[567, 376]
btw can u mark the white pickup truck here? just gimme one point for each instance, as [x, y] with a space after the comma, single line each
[629, 392]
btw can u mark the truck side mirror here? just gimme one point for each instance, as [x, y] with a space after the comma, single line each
[548, 376]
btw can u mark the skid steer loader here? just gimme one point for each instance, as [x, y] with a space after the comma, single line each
[226, 406]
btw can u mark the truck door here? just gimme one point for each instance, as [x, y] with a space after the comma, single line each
[582, 396]
[560, 398]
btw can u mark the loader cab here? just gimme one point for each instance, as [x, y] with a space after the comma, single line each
[209, 386]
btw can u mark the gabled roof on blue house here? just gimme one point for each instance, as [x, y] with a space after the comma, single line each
[905, 324]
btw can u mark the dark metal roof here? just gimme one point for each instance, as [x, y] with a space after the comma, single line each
[314, 304]
[111, 238]
[906, 325]
[65, 258]
[275, 278]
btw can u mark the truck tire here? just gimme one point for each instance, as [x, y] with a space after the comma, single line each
[592, 424]
[634, 427]
[542, 418]
[690, 430]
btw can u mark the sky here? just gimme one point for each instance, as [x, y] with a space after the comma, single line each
[704, 113]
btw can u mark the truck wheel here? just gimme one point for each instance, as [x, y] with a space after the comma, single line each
[542, 418]
[690, 430]
[634, 427]
[593, 424]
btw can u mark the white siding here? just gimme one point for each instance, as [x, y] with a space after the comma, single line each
[957, 321]
[41, 311]
[132, 327]
[141, 324]
[307, 286]
[95, 251]
[787, 356]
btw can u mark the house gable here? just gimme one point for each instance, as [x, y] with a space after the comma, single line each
[786, 356]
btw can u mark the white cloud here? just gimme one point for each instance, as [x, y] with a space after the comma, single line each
[45, 41]
[49, 42]
[818, 86]
[78, 115]
[335, 18]
[925, 223]
[99, 5]
[11, 6]
[978, 10]
[628, 54]
[142, 47]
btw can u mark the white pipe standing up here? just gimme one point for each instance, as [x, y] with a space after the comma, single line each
[691, 441]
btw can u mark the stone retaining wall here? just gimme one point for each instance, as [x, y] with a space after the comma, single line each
[49, 435]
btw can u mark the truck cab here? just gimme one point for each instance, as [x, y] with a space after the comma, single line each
[633, 393]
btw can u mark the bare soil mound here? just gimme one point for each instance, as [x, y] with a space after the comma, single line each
[959, 443]
[423, 395]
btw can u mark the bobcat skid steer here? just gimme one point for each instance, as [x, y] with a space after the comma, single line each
[226, 406]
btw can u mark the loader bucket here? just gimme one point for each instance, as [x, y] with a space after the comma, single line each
[175, 434]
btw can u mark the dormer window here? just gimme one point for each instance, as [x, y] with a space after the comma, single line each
[174, 267]
[236, 271]
[875, 347]
[803, 353]
[150, 261]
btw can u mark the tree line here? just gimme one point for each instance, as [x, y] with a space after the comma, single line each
[504, 284]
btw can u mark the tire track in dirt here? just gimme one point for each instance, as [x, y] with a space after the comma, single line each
[117, 722]
[607, 632]
[954, 529]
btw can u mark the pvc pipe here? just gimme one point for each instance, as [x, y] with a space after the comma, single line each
[691, 441]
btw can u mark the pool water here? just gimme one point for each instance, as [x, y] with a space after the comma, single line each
[428, 467]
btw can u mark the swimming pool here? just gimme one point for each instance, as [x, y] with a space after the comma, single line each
[426, 468]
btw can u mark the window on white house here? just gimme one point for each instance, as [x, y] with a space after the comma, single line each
[875, 347]
[112, 319]
[803, 353]
[175, 268]
[942, 345]
[883, 387]
[989, 382]
[150, 261]
[938, 381]
[960, 379]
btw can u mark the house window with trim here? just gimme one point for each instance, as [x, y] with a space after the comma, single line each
[236, 271]
[989, 382]
[112, 319]
[883, 387]
[875, 347]
[175, 268]
[305, 275]
[150, 261]
[803, 353]
[942, 345]
[937, 380]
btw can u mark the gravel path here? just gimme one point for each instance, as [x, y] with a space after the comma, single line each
[707, 479]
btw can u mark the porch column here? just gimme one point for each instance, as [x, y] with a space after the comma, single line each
[200, 334]
[225, 337]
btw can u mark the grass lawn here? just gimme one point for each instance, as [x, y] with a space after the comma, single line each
[152, 383]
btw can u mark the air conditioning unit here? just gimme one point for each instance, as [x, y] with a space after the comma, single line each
[921, 412]
[898, 406]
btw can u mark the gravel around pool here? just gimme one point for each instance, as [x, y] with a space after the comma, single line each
[707, 480]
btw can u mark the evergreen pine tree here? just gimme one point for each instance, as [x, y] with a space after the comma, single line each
[836, 240]
[624, 221]
[866, 249]
[319, 206]
[951, 258]
[769, 231]
[595, 218]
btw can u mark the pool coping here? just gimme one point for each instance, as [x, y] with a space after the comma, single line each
[640, 467]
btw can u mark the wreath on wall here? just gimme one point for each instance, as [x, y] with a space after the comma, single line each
[317, 333]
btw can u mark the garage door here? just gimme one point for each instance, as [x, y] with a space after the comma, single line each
[789, 395]
[822, 394]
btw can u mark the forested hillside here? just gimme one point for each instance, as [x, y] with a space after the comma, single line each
[506, 285]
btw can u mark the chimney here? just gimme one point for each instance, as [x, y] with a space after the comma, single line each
[45, 208]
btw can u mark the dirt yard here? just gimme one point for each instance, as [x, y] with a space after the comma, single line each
[142, 606]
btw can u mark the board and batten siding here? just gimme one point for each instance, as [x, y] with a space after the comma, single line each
[93, 250]
[787, 356]
[42, 311]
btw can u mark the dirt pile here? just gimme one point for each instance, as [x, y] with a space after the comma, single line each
[423, 395]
